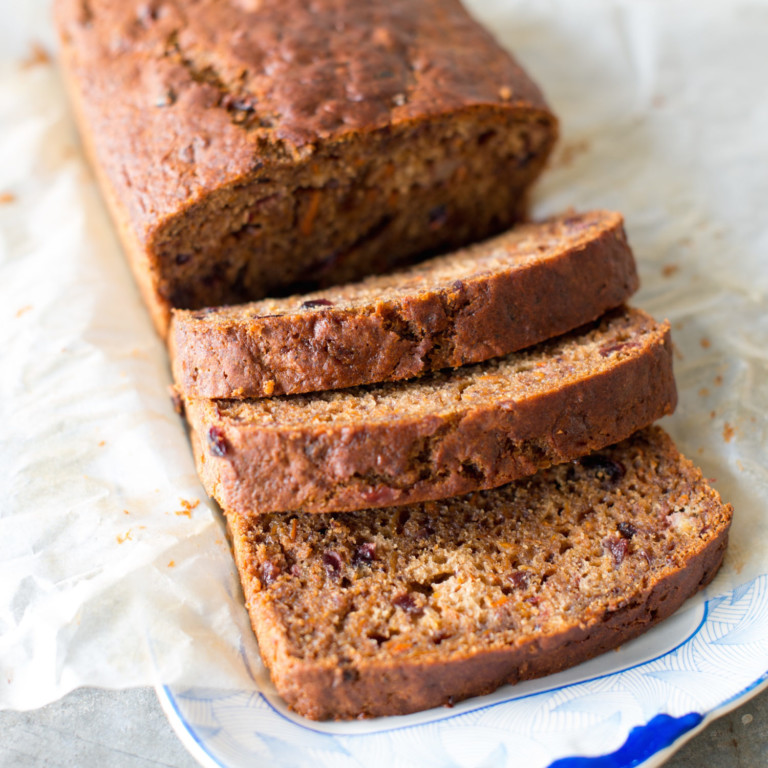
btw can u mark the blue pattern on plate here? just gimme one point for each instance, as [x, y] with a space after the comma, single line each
[643, 742]
[593, 718]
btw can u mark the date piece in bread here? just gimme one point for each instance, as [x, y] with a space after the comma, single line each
[530, 284]
[446, 433]
[390, 611]
[249, 148]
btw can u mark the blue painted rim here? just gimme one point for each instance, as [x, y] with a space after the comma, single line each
[661, 731]
[443, 718]
[643, 742]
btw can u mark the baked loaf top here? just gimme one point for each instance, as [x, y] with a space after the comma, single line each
[185, 97]
[449, 432]
[389, 611]
[482, 301]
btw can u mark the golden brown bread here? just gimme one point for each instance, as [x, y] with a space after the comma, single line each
[389, 611]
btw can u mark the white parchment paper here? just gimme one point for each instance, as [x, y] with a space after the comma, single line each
[114, 569]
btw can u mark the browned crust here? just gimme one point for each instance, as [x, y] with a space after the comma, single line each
[406, 335]
[161, 164]
[340, 468]
[383, 689]
[139, 259]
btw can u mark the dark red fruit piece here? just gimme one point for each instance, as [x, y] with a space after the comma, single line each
[627, 530]
[607, 470]
[217, 442]
[316, 303]
[618, 548]
[365, 553]
[332, 561]
[408, 604]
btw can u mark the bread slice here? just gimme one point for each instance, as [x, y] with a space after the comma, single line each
[245, 148]
[390, 611]
[449, 432]
[530, 284]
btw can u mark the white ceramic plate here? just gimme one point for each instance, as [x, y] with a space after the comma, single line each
[630, 707]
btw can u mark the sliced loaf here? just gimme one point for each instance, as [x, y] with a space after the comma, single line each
[449, 432]
[530, 284]
[390, 611]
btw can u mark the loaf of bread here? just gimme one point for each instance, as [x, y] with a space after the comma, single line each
[389, 611]
[249, 148]
[446, 433]
[531, 283]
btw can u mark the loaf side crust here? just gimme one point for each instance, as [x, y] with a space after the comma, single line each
[252, 464]
[508, 293]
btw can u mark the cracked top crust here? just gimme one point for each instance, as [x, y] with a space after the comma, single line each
[176, 86]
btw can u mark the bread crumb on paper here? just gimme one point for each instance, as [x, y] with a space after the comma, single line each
[187, 507]
[670, 269]
[569, 152]
[37, 56]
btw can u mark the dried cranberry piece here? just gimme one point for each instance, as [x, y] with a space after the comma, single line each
[269, 572]
[618, 548]
[627, 530]
[607, 470]
[316, 303]
[533, 599]
[332, 561]
[365, 553]
[408, 604]
[437, 217]
[618, 347]
[217, 442]
[518, 579]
